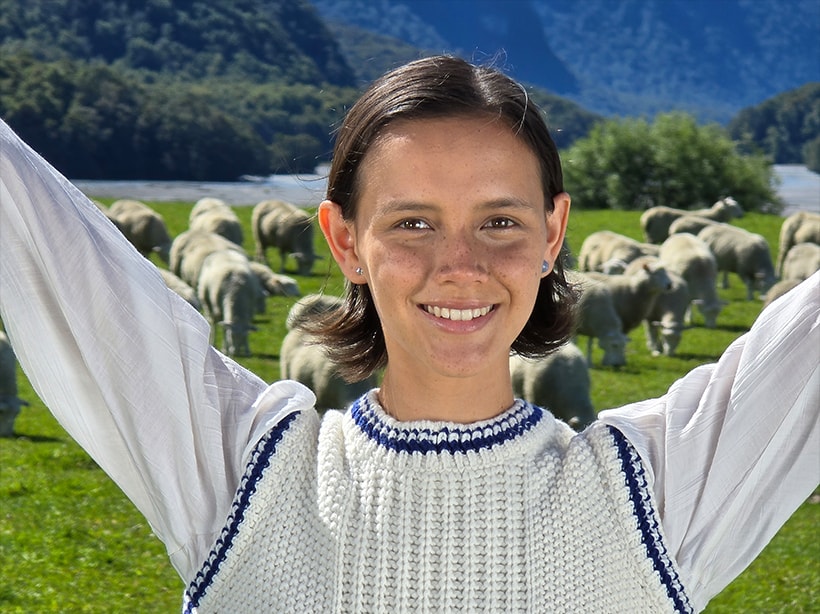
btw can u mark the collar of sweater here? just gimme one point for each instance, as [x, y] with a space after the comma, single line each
[521, 431]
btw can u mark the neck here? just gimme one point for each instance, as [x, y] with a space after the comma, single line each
[440, 398]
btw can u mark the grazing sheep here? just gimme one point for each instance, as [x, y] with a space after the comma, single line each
[273, 284]
[779, 289]
[559, 382]
[10, 403]
[692, 224]
[142, 226]
[223, 222]
[304, 360]
[180, 287]
[287, 228]
[800, 227]
[802, 261]
[655, 221]
[596, 317]
[609, 252]
[190, 248]
[742, 252]
[229, 292]
[666, 321]
[688, 256]
[635, 291]
[205, 205]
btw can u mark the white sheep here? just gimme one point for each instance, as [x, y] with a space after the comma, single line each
[229, 292]
[190, 248]
[303, 359]
[666, 321]
[221, 221]
[287, 228]
[273, 284]
[784, 286]
[181, 287]
[655, 221]
[559, 382]
[802, 261]
[741, 252]
[800, 227]
[635, 291]
[596, 318]
[206, 204]
[10, 403]
[688, 256]
[609, 252]
[144, 228]
[692, 224]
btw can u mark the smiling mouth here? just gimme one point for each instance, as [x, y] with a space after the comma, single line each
[458, 315]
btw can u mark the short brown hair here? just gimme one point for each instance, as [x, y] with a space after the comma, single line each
[430, 88]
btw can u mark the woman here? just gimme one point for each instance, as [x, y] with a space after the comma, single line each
[438, 491]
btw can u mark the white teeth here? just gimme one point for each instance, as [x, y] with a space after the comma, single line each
[457, 315]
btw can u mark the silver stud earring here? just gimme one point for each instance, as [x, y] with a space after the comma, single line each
[359, 271]
[545, 266]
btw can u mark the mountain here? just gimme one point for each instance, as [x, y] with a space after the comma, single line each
[710, 58]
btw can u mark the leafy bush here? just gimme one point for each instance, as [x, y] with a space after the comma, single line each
[631, 164]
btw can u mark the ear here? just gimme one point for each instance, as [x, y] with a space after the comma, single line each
[340, 239]
[557, 227]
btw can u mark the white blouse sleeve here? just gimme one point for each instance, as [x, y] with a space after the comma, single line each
[734, 448]
[124, 363]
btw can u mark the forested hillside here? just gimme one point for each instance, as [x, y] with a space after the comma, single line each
[785, 127]
[189, 90]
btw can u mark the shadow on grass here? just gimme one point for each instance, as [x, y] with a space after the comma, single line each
[34, 438]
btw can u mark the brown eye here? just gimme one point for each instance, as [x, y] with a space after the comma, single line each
[500, 223]
[413, 224]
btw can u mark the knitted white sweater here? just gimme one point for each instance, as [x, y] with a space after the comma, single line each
[366, 514]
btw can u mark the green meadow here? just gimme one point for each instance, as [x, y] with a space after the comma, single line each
[71, 542]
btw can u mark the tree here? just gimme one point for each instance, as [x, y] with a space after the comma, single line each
[630, 164]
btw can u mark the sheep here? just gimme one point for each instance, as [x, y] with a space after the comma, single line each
[655, 221]
[559, 382]
[190, 248]
[802, 261]
[10, 403]
[596, 317]
[278, 224]
[205, 205]
[666, 321]
[692, 224]
[609, 252]
[688, 256]
[635, 291]
[742, 252]
[180, 287]
[142, 226]
[222, 221]
[229, 292]
[779, 289]
[303, 359]
[800, 227]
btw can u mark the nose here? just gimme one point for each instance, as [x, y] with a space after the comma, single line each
[460, 257]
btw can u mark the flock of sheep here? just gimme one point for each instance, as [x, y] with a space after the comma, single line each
[623, 284]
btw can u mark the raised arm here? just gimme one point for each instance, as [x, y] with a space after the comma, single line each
[734, 448]
[124, 364]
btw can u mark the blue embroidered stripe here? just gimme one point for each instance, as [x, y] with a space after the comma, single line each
[260, 459]
[635, 475]
[446, 439]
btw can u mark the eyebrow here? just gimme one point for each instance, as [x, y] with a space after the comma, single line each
[411, 206]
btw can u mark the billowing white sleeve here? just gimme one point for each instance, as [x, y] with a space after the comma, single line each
[734, 448]
[124, 363]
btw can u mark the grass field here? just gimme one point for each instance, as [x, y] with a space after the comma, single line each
[71, 542]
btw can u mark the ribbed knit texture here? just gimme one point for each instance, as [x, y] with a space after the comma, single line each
[366, 514]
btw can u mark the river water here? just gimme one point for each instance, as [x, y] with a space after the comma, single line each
[798, 187]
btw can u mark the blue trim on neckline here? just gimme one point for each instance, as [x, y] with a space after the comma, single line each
[648, 524]
[450, 438]
[260, 460]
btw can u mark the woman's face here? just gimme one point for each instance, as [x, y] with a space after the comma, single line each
[451, 231]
